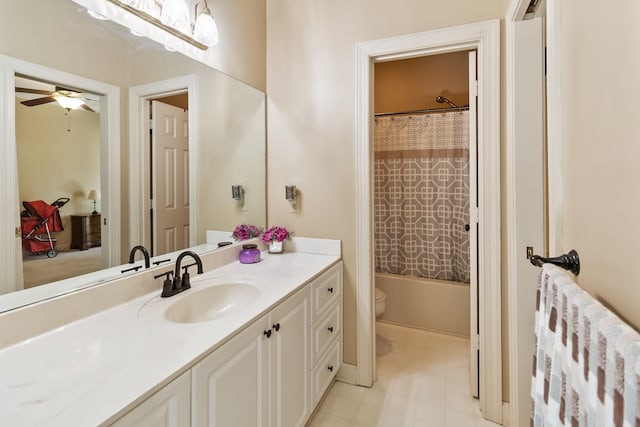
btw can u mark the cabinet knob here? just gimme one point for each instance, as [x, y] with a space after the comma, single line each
[268, 333]
[276, 327]
[330, 368]
[330, 290]
[330, 329]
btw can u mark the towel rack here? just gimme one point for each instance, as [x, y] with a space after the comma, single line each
[570, 261]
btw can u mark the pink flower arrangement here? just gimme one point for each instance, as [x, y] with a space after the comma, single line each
[277, 234]
[246, 231]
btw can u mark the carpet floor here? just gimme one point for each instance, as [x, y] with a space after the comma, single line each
[38, 269]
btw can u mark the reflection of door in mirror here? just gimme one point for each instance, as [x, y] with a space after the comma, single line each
[58, 153]
[169, 215]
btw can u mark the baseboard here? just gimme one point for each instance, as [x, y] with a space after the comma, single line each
[347, 374]
[505, 414]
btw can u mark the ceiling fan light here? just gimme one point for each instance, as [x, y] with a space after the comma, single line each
[206, 30]
[68, 102]
[175, 14]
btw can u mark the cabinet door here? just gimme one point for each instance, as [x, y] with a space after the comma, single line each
[290, 362]
[169, 407]
[230, 386]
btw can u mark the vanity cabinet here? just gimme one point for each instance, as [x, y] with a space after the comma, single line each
[231, 385]
[260, 377]
[289, 392]
[271, 374]
[326, 330]
[168, 407]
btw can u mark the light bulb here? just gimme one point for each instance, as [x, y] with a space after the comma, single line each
[175, 14]
[206, 30]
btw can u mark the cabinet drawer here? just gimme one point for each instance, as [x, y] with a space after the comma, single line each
[326, 290]
[325, 371]
[325, 331]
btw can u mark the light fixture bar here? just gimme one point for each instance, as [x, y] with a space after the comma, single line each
[155, 21]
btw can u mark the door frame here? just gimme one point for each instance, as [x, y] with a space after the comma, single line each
[485, 38]
[139, 161]
[109, 161]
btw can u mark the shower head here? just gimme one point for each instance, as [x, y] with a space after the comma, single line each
[442, 100]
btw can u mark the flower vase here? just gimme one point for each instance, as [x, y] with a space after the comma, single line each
[275, 247]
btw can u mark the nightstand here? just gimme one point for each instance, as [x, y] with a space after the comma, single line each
[85, 231]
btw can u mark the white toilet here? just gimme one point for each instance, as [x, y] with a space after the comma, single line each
[380, 302]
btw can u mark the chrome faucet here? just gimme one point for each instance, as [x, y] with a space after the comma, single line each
[145, 253]
[179, 284]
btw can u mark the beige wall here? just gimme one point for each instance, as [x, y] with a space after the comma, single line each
[414, 84]
[53, 162]
[599, 67]
[311, 108]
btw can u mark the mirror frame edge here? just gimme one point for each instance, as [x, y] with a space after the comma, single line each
[109, 148]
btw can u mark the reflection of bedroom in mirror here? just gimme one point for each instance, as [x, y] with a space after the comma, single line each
[58, 153]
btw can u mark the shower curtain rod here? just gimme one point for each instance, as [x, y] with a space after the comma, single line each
[428, 111]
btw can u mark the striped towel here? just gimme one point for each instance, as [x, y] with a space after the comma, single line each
[586, 364]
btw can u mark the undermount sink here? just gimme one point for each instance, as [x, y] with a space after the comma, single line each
[213, 302]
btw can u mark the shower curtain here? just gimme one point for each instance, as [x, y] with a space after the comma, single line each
[421, 195]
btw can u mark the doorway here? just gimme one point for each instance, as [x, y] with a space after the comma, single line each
[485, 38]
[169, 174]
[140, 164]
[58, 157]
[109, 95]
[425, 191]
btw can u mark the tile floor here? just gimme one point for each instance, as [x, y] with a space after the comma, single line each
[423, 380]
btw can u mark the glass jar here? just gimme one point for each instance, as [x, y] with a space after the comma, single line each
[249, 254]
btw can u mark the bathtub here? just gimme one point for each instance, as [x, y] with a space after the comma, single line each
[430, 304]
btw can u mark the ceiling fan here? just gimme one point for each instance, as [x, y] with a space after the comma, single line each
[67, 98]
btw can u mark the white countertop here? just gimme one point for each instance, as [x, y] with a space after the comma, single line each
[92, 371]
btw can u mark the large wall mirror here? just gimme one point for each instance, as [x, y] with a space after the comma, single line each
[123, 79]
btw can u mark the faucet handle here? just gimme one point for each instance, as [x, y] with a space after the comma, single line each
[186, 284]
[167, 286]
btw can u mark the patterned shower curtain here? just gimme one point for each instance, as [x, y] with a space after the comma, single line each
[422, 195]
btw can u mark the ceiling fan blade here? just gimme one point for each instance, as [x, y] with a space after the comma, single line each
[38, 101]
[86, 107]
[29, 90]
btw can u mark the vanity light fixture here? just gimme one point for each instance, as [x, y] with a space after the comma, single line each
[205, 29]
[237, 192]
[174, 18]
[175, 14]
[290, 193]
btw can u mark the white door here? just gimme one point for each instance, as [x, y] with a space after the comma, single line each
[474, 331]
[170, 177]
[289, 394]
[231, 386]
[529, 202]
